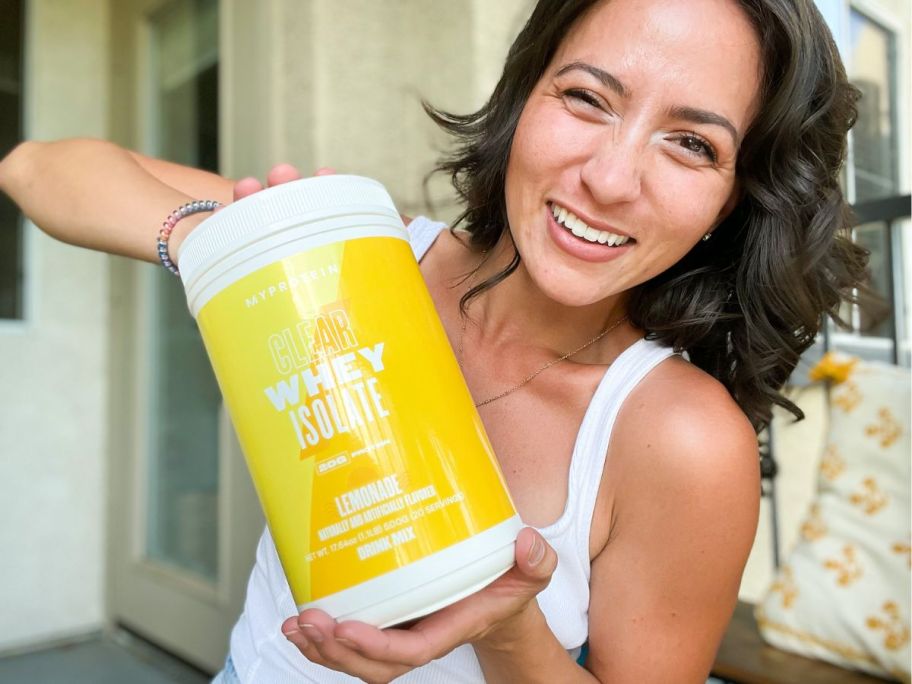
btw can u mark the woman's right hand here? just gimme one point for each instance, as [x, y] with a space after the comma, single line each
[278, 174]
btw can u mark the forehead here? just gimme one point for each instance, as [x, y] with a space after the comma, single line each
[702, 53]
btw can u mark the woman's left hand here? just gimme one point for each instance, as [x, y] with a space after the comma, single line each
[496, 615]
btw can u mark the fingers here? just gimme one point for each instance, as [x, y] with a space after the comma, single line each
[245, 187]
[282, 173]
[409, 647]
[463, 621]
[278, 174]
[380, 655]
[313, 633]
[535, 559]
[466, 620]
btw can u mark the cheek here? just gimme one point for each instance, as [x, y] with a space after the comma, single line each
[689, 207]
[527, 154]
[526, 168]
[545, 140]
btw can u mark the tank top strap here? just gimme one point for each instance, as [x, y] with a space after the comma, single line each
[591, 447]
[422, 233]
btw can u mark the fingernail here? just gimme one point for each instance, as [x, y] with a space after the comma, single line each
[536, 552]
[312, 633]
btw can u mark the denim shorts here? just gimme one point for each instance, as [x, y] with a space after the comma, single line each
[228, 675]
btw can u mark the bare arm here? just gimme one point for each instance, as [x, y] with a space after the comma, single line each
[684, 492]
[95, 194]
[685, 504]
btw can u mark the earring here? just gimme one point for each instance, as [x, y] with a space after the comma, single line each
[707, 236]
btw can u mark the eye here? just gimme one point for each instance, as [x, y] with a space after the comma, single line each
[584, 96]
[696, 146]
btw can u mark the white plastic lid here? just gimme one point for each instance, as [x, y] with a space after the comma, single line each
[272, 210]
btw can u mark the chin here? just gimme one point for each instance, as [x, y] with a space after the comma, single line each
[568, 289]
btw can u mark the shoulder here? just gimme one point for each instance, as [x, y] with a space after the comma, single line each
[683, 484]
[684, 456]
[681, 418]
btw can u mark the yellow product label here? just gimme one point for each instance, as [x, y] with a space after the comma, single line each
[362, 439]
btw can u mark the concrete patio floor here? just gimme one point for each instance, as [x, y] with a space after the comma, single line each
[118, 658]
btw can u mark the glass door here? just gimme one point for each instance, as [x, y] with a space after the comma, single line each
[182, 559]
[182, 465]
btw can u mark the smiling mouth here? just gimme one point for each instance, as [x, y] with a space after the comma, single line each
[569, 221]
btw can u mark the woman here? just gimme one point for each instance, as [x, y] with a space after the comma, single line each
[644, 167]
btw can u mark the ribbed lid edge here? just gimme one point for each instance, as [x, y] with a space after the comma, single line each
[253, 217]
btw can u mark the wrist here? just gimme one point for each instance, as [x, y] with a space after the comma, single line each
[178, 225]
[182, 229]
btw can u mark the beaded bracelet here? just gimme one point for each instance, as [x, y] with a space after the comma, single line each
[183, 211]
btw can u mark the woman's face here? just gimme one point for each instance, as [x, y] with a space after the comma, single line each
[631, 138]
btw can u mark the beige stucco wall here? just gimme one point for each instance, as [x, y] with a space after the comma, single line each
[53, 423]
[340, 84]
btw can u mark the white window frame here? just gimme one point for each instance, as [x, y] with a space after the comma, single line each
[837, 13]
[28, 258]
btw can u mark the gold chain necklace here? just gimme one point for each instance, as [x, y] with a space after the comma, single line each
[548, 365]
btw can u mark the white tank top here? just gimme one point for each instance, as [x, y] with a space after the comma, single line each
[262, 655]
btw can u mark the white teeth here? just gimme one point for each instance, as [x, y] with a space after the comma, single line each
[579, 228]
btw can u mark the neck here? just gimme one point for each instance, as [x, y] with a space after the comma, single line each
[517, 312]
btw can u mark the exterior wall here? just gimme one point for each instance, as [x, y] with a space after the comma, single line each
[53, 418]
[340, 84]
[374, 63]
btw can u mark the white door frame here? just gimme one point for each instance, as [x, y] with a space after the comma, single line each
[186, 615]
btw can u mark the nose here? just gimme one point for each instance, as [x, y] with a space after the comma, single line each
[613, 171]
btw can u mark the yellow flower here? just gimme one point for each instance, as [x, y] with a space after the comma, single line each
[834, 366]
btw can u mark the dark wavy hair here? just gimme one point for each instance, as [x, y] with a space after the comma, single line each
[748, 302]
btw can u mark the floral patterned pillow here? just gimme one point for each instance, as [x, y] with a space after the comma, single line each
[843, 594]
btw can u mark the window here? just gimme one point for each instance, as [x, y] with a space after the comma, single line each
[874, 172]
[184, 399]
[872, 178]
[11, 254]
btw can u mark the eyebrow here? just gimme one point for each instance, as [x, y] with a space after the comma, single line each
[701, 116]
[603, 76]
[691, 114]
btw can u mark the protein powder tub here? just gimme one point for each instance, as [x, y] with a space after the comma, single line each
[378, 483]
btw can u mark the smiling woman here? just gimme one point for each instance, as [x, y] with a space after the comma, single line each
[607, 142]
[652, 228]
[661, 123]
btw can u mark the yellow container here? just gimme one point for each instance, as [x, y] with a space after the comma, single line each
[372, 466]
